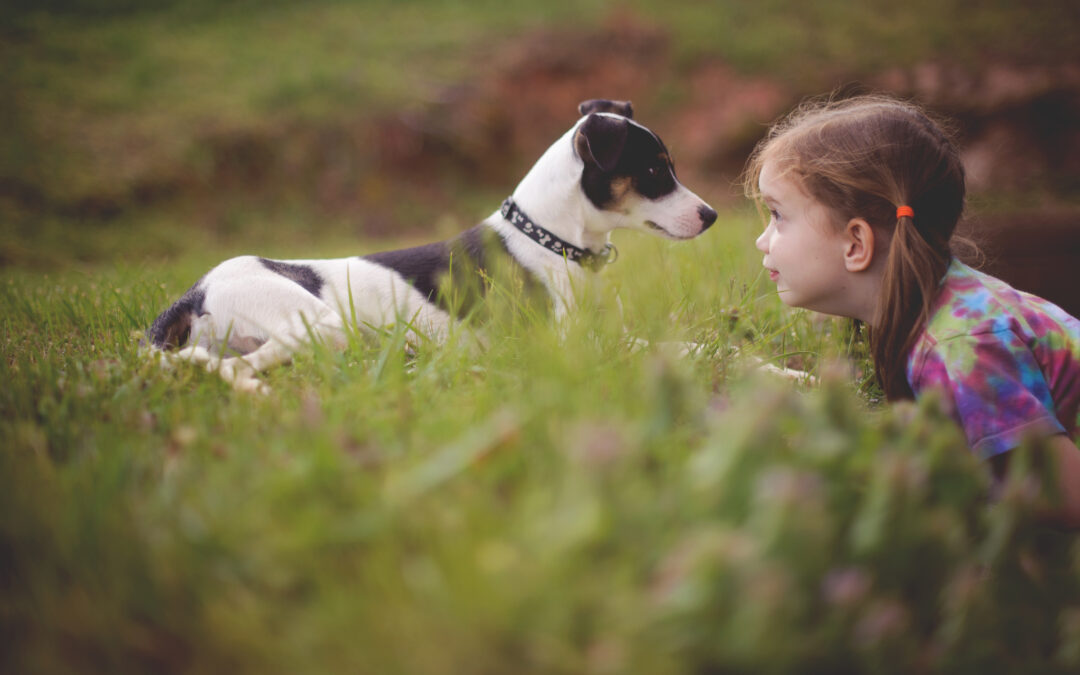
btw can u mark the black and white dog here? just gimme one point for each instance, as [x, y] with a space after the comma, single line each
[606, 172]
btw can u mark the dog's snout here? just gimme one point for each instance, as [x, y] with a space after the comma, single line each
[708, 216]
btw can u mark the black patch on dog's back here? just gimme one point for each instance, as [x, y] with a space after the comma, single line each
[422, 266]
[308, 278]
[172, 327]
[466, 258]
[644, 161]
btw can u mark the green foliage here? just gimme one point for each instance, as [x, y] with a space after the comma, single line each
[838, 543]
[520, 499]
[113, 104]
[808, 40]
[108, 98]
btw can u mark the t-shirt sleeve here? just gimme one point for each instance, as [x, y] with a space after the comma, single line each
[993, 386]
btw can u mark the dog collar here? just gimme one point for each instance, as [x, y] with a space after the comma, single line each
[581, 256]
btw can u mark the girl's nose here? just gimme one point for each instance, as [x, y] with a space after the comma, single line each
[762, 242]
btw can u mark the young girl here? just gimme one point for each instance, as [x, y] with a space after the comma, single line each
[864, 195]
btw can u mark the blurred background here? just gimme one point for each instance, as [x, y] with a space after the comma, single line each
[142, 131]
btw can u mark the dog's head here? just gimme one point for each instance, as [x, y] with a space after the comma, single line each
[628, 174]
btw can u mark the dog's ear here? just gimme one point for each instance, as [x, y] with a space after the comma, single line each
[600, 140]
[623, 108]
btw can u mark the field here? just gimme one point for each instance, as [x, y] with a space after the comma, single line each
[523, 498]
[544, 503]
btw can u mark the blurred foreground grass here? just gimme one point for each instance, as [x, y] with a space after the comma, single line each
[545, 503]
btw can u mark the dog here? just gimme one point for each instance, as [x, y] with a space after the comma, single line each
[606, 172]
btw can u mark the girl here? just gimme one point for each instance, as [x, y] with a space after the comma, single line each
[864, 195]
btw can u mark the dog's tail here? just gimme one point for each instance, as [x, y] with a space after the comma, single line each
[172, 328]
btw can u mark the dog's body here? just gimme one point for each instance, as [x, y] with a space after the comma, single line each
[606, 172]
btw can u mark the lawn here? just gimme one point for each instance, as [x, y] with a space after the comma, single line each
[523, 498]
[540, 500]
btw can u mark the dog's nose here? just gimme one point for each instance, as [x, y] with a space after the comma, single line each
[708, 216]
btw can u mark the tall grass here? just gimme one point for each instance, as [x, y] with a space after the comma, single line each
[535, 499]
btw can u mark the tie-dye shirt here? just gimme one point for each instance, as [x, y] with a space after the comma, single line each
[1006, 363]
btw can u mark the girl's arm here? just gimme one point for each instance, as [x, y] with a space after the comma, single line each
[1067, 458]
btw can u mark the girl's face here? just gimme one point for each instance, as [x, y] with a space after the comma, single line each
[803, 247]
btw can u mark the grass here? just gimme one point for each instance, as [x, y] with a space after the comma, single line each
[156, 488]
[550, 501]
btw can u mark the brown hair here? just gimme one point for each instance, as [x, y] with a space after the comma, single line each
[862, 158]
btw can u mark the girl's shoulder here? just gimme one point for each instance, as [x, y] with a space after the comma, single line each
[1005, 361]
[976, 317]
[970, 302]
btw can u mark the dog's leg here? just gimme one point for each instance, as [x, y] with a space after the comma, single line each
[322, 324]
[196, 354]
[268, 315]
[238, 374]
[240, 371]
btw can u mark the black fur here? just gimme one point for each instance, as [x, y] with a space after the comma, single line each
[465, 257]
[173, 326]
[644, 160]
[422, 266]
[600, 140]
[623, 108]
[308, 278]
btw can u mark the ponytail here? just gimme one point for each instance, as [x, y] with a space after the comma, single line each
[915, 265]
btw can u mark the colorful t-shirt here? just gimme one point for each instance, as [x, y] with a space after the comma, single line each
[1007, 363]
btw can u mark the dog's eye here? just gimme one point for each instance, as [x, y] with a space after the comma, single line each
[653, 171]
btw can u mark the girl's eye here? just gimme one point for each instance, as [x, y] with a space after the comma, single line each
[775, 214]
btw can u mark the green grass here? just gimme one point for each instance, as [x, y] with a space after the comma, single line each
[549, 501]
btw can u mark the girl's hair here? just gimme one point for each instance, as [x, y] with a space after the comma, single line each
[862, 158]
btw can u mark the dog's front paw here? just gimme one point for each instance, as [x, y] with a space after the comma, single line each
[241, 376]
[251, 385]
[232, 369]
[164, 361]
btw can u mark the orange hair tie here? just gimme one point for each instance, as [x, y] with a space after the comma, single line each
[902, 211]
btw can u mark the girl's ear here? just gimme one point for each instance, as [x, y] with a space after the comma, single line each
[858, 245]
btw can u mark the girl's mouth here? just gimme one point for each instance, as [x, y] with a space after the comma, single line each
[773, 275]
